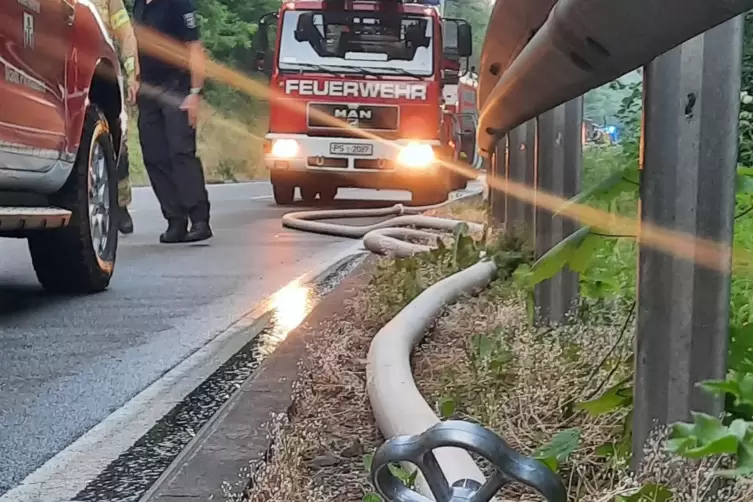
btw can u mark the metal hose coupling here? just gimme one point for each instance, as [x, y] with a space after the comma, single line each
[510, 466]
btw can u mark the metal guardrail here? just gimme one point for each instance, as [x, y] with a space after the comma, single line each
[510, 466]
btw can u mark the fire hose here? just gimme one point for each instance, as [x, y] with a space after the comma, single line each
[388, 237]
[416, 436]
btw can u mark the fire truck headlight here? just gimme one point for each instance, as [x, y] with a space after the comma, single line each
[284, 148]
[416, 155]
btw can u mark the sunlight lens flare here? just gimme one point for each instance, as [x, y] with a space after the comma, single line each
[703, 251]
[416, 155]
[290, 306]
[285, 148]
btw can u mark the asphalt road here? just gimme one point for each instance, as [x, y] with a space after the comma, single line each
[66, 363]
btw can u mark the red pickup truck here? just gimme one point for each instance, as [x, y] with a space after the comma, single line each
[62, 126]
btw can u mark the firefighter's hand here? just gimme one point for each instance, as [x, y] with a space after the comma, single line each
[191, 106]
[133, 91]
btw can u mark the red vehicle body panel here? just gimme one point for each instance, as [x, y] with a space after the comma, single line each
[32, 53]
[91, 48]
[48, 55]
[467, 97]
[419, 119]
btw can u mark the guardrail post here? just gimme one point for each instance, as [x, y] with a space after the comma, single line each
[691, 106]
[521, 169]
[498, 199]
[558, 172]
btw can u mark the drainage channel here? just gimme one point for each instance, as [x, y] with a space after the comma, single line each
[127, 478]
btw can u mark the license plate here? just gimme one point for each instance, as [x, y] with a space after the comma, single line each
[351, 149]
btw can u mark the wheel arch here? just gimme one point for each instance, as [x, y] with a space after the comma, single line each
[106, 92]
[93, 75]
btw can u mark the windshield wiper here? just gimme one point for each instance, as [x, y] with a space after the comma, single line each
[321, 68]
[371, 73]
[400, 71]
[374, 72]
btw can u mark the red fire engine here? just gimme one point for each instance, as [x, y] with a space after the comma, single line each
[356, 97]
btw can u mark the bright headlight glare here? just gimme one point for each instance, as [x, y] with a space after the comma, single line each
[416, 155]
[284, 148]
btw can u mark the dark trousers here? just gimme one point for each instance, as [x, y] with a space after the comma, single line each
[168, 144]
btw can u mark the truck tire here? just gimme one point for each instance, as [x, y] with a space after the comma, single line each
[284, 193]
[308, 193]
[429, 196]
[80, 258]
[459, 182]
[327, 194]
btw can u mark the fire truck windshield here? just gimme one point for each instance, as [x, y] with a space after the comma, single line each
[363, 42]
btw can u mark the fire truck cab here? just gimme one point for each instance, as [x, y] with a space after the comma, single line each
[356, 97]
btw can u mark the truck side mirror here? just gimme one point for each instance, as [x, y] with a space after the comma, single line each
[305, 28]
[465, 40]
[260, 42]
[458, 39]
[260, 61]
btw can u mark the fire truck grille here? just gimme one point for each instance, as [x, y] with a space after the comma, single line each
[352, 133]
[370, 117]
[330, 162]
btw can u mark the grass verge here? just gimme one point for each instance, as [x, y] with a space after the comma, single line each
[474, 210]
[561, 395]
[230, 148]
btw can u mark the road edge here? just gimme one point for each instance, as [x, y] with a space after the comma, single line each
[207, 468]
[68, 472]
[199, 472]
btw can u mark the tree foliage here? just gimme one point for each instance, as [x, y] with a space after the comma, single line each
[477, 13]
[228, 27]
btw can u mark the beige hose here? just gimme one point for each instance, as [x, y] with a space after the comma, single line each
[386, 237]
[397, 404]
[395, 400]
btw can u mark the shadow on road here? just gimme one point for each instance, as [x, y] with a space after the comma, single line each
[21, 298]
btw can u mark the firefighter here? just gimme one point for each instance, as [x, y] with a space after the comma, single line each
[115, 16]
[168, 111]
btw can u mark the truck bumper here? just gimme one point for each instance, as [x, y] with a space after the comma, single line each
[380, 168]
[37, 171]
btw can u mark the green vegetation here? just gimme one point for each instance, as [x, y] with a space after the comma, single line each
[561, 395]
[477, 13]
[602, 105]
[607, 265]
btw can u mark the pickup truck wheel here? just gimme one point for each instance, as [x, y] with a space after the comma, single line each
[284, 193]
[80, 258]
[308, 193]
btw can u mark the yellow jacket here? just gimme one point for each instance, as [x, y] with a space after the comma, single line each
[117, 20]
